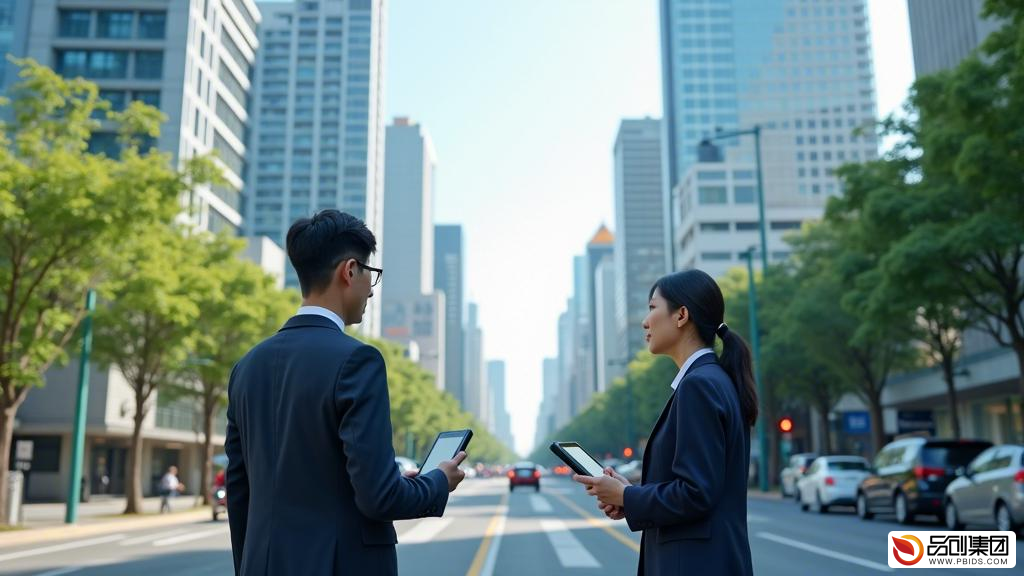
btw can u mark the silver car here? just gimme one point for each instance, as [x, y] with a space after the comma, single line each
[831, 481]
[989, 492]
[798, 464]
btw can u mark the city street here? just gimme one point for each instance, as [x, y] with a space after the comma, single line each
[488, 531]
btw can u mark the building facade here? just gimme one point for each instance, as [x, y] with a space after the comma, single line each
[318, 131]
[501, 421]
[448, 279]
[475, 374]
[191, 60]
[641, 226]
[944, 32]
[800, 71]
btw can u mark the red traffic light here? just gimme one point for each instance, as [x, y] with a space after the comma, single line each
[786, 424]
[627, 452]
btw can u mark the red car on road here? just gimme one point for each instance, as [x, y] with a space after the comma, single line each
[524, 474]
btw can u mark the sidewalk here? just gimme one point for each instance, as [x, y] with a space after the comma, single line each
[45, 522]
[770, 495]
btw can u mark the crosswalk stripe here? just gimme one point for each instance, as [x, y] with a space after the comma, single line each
[570, 552]
[60, 547]
[149, 537]
[600, 523]
[540, 504]
[424, 531]
[187, 537]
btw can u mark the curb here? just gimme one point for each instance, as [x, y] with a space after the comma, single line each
[69, 532]
[758, 495]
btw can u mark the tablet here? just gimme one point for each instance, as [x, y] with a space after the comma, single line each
[445, 447]
[577, 458]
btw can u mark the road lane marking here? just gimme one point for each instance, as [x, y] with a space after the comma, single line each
[754, 518]
[60, 571]
[187, 537]
[539, 504]
[486, 554]
[149, 537]
[597, 523]
[61, 547]
[823, 552]
[570, 552]
[424, 531]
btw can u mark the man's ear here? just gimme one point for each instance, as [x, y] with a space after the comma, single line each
[345, 272]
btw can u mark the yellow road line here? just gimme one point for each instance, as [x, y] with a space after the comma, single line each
[485, 545]
[595, 522]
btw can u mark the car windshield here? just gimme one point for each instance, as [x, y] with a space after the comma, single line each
[847, 465]
[951, 456]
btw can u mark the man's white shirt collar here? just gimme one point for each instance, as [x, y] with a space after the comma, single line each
[689, 362]
[321, 311]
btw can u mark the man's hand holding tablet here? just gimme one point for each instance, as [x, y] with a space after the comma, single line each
[447, 453]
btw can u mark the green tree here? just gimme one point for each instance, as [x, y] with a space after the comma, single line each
[149, 325]
[242, 307]
[64, 216]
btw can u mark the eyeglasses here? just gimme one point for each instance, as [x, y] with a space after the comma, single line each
[377, 273]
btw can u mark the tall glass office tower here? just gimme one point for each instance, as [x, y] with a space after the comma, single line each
[799, 69]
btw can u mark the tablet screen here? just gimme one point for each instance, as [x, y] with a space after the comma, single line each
[578, 454]
[444, 449]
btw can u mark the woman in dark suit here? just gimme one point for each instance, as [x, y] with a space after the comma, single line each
[692, 503]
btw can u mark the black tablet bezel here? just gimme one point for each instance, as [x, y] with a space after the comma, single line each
[466, 434]
[571, 462]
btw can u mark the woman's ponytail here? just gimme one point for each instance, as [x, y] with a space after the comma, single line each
[738, 364]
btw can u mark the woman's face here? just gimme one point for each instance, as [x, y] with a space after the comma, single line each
[663, 326]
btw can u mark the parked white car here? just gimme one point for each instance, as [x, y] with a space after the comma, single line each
[798, 464]
[831, 481]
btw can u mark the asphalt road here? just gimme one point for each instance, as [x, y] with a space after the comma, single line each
[488, 531]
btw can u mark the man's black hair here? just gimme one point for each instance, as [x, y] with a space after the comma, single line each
[317, 245]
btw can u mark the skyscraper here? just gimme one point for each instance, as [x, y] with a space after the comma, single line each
[599, 249]
[944, 32]
[475, 375]
[191, 60]
[546, 414]
[800, 71]
[448, 274]
[640, 227]
[319, 132]
[501, 422]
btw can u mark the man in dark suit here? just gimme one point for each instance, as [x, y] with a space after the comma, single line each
[312, 484]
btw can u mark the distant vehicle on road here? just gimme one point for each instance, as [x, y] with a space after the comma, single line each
[910, 476]
[631, 470]
[798, 464]
[831, 481]
[524, 474]
[406, 465]
[989, 491]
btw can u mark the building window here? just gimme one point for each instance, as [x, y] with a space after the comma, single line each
[71, 63]
[745, 194]
[794, 225]
[114, 24]
[152, 25]
[714, 226]
[150, 97]
[149, 65]
[747, 226]
[716, 256]
[716, 176]
[75, 23]
[712, 195]
[108, 64]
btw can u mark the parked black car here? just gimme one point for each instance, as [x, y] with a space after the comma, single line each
[909, 476]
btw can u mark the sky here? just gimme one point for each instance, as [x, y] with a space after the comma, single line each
[522, 101]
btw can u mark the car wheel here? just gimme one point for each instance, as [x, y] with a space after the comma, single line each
[511, 488]
[952, 518]
[902, 508]
[796, 495]
[863, 512]
[216, 515]
[822, 508]
[1004, 522]
[536, 488]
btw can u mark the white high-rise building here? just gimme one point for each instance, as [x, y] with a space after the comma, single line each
[800, 71]
[501, 421]
[546, 421]
[318, 135]
[192, 60]
[478, 400]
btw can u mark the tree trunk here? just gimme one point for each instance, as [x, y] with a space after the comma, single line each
[6, 437]
[947, 372]
[209, 407]
[134, 464]
[877, 425]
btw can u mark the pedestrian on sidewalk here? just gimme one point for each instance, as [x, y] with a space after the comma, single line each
[170, 487]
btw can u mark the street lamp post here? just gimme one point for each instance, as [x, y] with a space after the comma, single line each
[81, 408]
[755, 343]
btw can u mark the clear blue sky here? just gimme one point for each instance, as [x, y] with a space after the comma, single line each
[522, 100]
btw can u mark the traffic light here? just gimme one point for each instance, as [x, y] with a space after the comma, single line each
[785, 425]
[627, 452]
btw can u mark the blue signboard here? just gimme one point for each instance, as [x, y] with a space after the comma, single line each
[856, 422]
